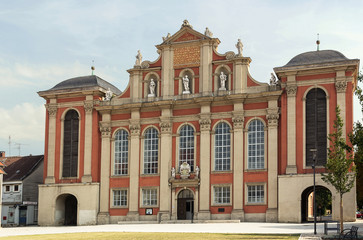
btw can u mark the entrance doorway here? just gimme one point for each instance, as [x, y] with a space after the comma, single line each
[66, 210]
[185, 205]
[323, 204]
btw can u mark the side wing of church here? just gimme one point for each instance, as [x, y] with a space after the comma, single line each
[194, 136]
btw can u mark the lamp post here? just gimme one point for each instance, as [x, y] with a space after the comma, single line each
[313, 150]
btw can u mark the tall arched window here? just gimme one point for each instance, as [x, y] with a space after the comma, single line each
[186, 146]
[315, 125]
[70, 144]
[256, 145]
[222, 149]
[151, 151]
[121, 153]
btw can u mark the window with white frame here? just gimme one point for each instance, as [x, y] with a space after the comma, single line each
[151, 151]
[222, 147]
[149, 197]
[256, 194]
[7, 188]
[16, 188]
[186, 146]
[256, 145]
[222, 195]
[119, 198]
[121, 153]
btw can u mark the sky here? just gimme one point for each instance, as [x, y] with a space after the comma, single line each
[45, 42]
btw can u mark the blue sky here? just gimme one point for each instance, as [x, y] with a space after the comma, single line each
[45, 42]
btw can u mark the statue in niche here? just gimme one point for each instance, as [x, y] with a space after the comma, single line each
[208, 33]
[223, 79]
[173, 172]
[186, 84]
[138, 58]
[184, 170]
[197, 171]
[152, 88]
[108, 95]
[239, 47]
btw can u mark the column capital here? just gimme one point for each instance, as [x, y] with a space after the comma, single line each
[135, 129]
[291, 90]
[165, 127]
[238, 122]
[88, 106]
[52, 109]
[105, 129]
[204, 124]
[273, 117]
[341, 86]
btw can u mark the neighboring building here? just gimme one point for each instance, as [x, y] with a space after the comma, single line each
[2, 172]
[194, 136]
[20, 191]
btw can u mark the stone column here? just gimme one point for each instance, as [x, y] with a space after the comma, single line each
[134, 162]
[241, 66]
[341, 87]
[205, 80]
[273, 121]
[205, 124]
[291, 127]
[165, 163]
[105, 129]
[167, 72]
[238, 122]
[52, 114]
[88, 108]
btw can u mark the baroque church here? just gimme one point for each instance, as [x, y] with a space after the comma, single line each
[194, 137]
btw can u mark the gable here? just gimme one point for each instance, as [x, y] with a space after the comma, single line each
[187, 37]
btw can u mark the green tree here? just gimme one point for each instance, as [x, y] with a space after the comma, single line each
[323, 201]
[340, 169]
[356, 139]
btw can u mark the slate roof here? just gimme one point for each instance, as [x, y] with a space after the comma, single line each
[85, 82]
[20, 169]
[315, 57]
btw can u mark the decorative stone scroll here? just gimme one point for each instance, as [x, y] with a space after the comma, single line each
[341, 86]
[134, 129]
[165, 127]
[230, 55]
[52, 109]
[88, 106]
[105, 129]
[145, 64]
[291, 90]
[204, 124]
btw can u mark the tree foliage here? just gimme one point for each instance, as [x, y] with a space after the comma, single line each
[323, 201]
[340, 168]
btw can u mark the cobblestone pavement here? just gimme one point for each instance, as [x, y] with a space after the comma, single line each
[245, 227]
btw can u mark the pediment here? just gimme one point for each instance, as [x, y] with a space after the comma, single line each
[185, 34]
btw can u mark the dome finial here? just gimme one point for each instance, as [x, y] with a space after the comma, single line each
[93, 66]
[317, 43]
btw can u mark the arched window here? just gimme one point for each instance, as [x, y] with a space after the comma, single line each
[70, 144]
[186, 146]
[121, 153]
[315, 125]
[222, 149]
[151, 151]
[256, 145]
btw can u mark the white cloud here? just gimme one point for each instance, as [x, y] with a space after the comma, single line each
[24, 121]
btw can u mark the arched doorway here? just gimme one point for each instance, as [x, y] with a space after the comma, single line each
[323, 204]
[66, 210]
[185, 205]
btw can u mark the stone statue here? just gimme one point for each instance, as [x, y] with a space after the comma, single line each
[197, 171]
[239, 47]
[186, 84]
[208, 33]
[273, 79]
[173, 172]
[184, 170]
[138, 58]
[223, 79]
[108, 95]
[152, 87]
[167, 37]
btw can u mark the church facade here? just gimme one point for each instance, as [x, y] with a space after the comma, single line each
[194, 136]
